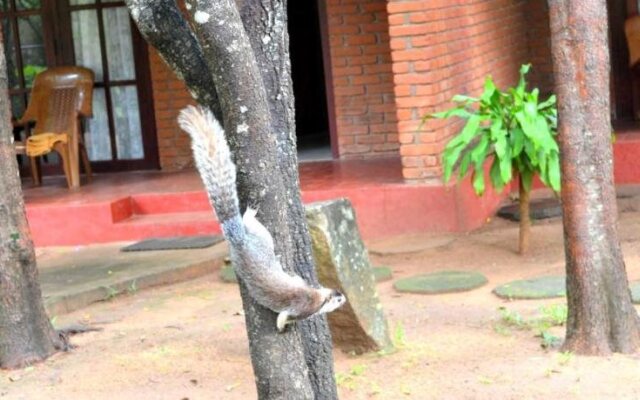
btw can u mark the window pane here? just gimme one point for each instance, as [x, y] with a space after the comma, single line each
[86, 41]
[10, 54]
[81, 2]
[118, 41]
[4, 5]
[127, 122]
[28, 4]
[97, 134]
[32, 47]
[17, 106]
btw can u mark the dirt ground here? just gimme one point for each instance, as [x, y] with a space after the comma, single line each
[187, 341]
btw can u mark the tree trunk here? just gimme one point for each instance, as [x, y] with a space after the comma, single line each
[263, 141]
[26, 334]
[278, 360]
[601, 317]
[268, 19]
[525, 218]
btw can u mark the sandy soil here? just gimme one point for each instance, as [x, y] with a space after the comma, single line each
[187, 341]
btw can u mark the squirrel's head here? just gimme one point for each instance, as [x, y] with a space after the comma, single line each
[331, 300]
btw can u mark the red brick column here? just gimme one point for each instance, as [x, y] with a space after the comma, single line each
[539, 40]
[169, 96]
[362, 78]
[441, 48]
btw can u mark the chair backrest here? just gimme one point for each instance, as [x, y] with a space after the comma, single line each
[58, 97]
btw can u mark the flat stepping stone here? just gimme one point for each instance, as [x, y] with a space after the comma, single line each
[538, 209]
[227, 274]
[441, 282]
[382, 274]
[635, 292]
[546, 287]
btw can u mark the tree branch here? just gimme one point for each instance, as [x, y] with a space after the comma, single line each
[164, 27]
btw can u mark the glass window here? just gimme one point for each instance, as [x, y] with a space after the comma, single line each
[97, 135]
[86, 41]
[126, 118]
[31, 47]
[81, 2]
[118, 42]
[28, 4]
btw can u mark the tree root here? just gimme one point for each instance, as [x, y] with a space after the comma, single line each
[74, 329]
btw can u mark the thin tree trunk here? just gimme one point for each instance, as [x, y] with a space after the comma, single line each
[26, 334]
[266, 24]
[601, 317]
[525, 218]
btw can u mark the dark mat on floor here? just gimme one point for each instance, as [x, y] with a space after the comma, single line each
[539, 209]
[175, 243]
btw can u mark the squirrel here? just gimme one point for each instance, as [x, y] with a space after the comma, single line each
[251, 245]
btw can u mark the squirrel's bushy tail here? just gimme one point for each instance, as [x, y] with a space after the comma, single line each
[213, 159]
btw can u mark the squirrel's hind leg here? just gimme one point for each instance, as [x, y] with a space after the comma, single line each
[283, 320]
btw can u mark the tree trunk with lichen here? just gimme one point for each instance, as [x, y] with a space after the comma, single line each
[244, 50]
[26, 334]
[268, 19]
[601, 317]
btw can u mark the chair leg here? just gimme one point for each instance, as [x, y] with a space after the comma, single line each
[86, 164]
[63, 151]
[35, 171]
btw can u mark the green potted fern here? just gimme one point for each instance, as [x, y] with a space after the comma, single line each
[515, 132]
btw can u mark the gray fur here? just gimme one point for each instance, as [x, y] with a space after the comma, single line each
[251, 245]
[213, 159]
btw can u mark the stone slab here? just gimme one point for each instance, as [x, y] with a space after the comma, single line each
[448, 281]
[635, 291]
[342, 262]
[544, 287]
[382, 274]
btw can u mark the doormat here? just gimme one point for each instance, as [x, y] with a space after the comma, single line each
[538, 209]
[175, 243]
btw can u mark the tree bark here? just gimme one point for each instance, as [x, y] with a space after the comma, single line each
[26, 334]
[278, 360]
[261, 131]
[162, 24]
[266, 24]
[525, 218]
[601, 317]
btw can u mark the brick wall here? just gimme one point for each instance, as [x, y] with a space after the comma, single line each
[362, 78]
[382, 86]
[539, 46]
[441, 48]
[169, 96]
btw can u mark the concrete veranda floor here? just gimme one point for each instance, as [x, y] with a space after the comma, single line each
[74, 277]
